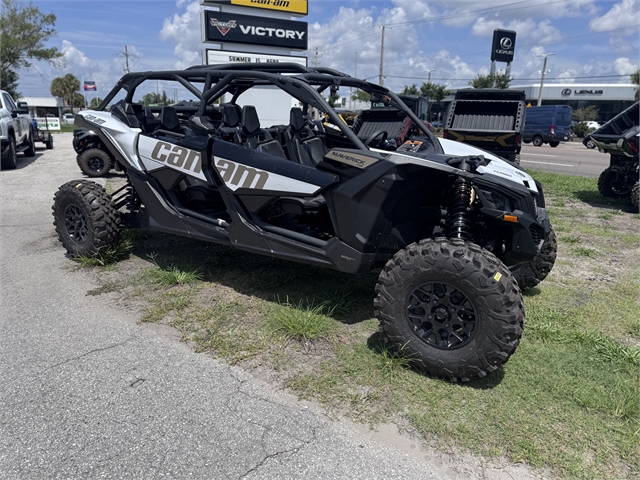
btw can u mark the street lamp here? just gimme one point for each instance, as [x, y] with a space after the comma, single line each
[543, 72]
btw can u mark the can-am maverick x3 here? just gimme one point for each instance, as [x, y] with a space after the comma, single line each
[453, 228]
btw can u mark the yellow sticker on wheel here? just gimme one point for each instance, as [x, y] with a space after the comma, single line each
[497, 276]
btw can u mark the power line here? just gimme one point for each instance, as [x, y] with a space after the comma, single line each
[513, 80]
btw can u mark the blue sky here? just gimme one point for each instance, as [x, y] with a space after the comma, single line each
[593, 41]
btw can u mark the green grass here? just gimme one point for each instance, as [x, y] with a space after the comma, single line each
[64, 128]
[108, 257]
[567, 401]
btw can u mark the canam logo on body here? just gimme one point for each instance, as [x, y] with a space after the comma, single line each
[241, 176]
[223, 27]
[178, 157]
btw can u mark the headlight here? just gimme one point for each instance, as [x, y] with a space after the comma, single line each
[500, 201]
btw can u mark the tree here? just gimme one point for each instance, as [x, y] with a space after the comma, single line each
[496, 80]
[433, 91]
[77, 100]
[333, 98]
[155, 99]
[586, 114]
[95, 102]
[361, 95]
[24, 31]
[412, 90]
[635, 79]
[65, 88]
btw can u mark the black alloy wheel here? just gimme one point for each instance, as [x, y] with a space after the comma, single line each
[75, 222]
[441, 315]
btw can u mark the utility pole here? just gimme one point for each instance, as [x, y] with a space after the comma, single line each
[543, 72]
[380, 78]
[126, 56]
[316, 58]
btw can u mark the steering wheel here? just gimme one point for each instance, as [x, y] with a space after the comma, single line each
[375, 135]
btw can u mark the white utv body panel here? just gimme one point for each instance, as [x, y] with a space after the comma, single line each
[498, 166]
[122, 137]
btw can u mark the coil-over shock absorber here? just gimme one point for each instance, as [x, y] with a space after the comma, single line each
[126, 197]
[458, 221]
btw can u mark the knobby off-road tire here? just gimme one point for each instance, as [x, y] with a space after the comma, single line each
[514, 157]
[10, 160]
[530, 274]
[635, 195]
[451, 307]
[607, 185]
[95, 162]
[84, 217]
[31, 150]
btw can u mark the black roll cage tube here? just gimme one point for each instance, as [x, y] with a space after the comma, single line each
[299, 83]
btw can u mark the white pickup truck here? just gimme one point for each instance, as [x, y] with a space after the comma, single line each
[16, 131]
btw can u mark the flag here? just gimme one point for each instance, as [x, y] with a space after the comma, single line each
[90, 85]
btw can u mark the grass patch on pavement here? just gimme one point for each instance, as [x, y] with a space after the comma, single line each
[567, 401]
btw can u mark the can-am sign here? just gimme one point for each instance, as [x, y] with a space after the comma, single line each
[226, 27]
[504, 45]
[294, 7]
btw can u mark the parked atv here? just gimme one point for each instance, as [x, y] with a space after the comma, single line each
[43, 135]
[456, 232]
[94, 158]
[619, 137]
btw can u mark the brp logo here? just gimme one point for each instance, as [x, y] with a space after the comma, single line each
[566, 92]
[506, 43]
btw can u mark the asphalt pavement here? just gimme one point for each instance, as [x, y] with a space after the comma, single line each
[569, 158]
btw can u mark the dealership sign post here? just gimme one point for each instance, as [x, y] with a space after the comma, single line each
[256, 31]
[502, 49]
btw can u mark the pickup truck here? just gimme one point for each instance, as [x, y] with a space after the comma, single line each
[16, 131]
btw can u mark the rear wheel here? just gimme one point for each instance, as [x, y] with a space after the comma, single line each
[31, 149]
[94, 162]
[554, 143]
[451, 307]
[590, 144]
[635, 195]
[84, 217]
[537, 141]
[49, 142]
[530, 274]
[613, 185]
[10, 160]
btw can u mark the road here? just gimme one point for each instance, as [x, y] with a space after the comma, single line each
[89, 392]
[571, 158]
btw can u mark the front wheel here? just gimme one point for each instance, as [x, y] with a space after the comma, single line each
[84, 217]
[612, 184]
[530, 274]
[94, 162]
[49, 142]
[537, 141]
[10, 160]
[554, 143]
[590, 144]
[451, 307]
[635, 195]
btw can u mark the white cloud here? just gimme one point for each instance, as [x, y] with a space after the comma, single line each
[624, 66]
[528, 29]
[72, 56]
[184, 29]
[621, 16]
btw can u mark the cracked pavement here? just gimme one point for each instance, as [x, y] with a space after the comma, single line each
[88, 392]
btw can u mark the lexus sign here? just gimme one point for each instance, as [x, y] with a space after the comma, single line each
[222, 27]
[504, 45]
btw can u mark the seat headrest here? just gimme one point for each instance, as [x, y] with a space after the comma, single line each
[230, 116]
[250, 120]
[296, 120]
[169, 118]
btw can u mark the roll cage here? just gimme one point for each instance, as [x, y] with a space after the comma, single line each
[303, 83]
